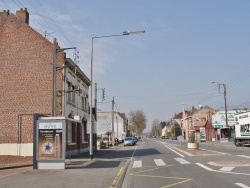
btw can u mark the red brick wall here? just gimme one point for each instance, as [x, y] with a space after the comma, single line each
[25, 78]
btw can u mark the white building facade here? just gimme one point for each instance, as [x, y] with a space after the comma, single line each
[105, 124]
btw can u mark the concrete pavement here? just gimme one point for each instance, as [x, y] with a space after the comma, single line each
[105, 170]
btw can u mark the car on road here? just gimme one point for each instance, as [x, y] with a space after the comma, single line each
[129, 141]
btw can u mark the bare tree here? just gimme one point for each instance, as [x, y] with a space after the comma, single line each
[137, 121]
[156, 128]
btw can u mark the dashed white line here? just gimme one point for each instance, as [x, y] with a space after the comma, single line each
[227, 169]
[137, 164]
[242, 185]
[182, 161]
[159, 162]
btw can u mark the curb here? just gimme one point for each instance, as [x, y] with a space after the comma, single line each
[120, 180]
[17, 166]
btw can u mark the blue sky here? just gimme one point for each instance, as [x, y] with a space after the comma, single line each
[187, 44]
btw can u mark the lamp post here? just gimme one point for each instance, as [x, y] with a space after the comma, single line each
[91, 83]
[225, 102]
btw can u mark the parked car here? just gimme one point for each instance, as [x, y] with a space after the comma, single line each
[129, 141]
[162, 137]
[135, 139]
[174, 137]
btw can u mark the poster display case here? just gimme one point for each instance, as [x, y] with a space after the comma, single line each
[51, 143]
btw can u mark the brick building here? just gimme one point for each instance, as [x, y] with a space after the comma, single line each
[26, 59]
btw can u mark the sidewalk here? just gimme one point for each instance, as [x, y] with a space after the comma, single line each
[104, 170]
[9, 161]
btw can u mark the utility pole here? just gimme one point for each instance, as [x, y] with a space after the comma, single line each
[54, 69]
[54, 78]
[225, 100]
[113, 104]
[116, 126]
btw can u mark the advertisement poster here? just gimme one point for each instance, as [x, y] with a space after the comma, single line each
[50, 140]
[202, 134]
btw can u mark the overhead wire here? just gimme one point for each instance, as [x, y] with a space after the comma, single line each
[82, 60]
[240, 77]
[46, 21]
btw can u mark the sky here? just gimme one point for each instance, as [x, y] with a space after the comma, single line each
[186, 45]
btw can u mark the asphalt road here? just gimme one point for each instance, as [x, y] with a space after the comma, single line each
[152, 163]
[164, 163]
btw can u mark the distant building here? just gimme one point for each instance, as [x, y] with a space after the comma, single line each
[26, 87]
[218, 121]
[104, 124]
[186, 122]
[201, 120]
[164, 131]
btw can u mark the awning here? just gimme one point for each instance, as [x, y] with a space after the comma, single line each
[217, 126]
[197, 128]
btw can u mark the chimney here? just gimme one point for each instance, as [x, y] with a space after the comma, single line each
[3, 15]
[23, 15]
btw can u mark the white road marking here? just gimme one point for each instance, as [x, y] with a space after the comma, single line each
[227, 169]
[210, 169]
[137, 164]
[242, 185]
[174, 151]
[244, 156]
[216, 151]
[133, 154]
[159, 162]
[205, 167]
[182, 161]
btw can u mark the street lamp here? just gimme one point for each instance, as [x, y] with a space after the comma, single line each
[91, 83]
[225, 101]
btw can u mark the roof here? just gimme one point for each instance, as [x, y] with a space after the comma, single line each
[178, 116]
[73, 66]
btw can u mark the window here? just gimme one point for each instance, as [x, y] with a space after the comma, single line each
[203, 119]
[84, 132]
[69, 131]
[84, 101]
[71, 93]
